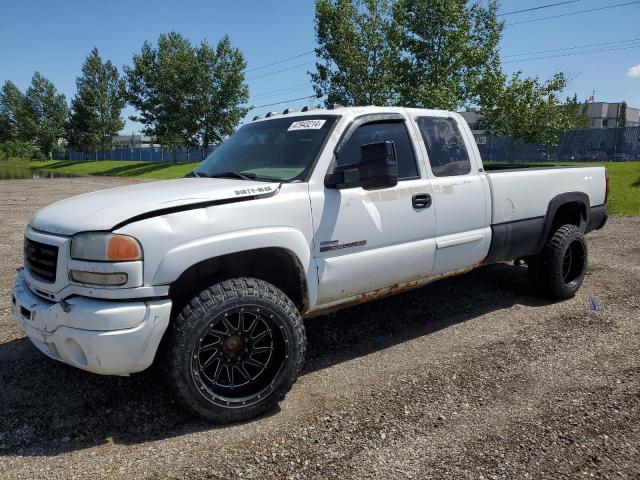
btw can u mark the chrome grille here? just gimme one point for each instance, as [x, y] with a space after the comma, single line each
[41, 259]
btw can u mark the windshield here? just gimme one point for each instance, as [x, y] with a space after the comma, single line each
[281, 149]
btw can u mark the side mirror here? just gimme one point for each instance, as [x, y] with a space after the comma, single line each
[377, 169]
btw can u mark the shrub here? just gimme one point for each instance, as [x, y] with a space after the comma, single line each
[13, 149]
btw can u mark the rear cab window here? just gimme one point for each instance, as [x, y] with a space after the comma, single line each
[446, 148]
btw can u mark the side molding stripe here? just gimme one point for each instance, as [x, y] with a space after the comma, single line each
[458, 241]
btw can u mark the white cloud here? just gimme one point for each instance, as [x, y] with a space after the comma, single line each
[634, 72]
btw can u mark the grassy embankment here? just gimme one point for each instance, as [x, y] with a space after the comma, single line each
[159, 171]
[624, 176]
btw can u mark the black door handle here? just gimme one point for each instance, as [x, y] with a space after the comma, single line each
[421, 200]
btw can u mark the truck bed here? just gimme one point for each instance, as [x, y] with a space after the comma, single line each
[520, 192]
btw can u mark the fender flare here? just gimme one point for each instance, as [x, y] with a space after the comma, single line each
[554, 205]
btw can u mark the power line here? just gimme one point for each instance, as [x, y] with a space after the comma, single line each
[575, 53]
[571, 13]
[571, 48]
[289, 92]
[283, 89]
[280, 71]
[537, 8]
[285, 101]
[501, 14]
[280, 61]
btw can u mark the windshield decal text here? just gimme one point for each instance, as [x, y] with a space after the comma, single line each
[306, 125]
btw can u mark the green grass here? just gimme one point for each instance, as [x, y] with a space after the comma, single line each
[624, 181]
[159, 171]
[623, 200]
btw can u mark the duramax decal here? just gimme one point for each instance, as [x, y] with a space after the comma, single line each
[335, 245]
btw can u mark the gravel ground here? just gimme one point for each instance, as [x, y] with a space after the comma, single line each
[471, 377]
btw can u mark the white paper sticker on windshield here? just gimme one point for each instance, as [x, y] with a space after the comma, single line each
[306, 125]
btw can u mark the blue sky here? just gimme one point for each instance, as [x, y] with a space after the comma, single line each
[54, 37]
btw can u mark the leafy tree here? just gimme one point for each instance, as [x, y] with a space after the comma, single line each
[186, 95]
[422, 53]
[96, 108]
[17, 149]
[357, 52]
[12, 112]
[46, 113]
[524, 108]
[449, 51]
[622, 115]
[222, 94]
[162, 85]
[577, 112]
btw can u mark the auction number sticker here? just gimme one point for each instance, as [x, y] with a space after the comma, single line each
[306, 125]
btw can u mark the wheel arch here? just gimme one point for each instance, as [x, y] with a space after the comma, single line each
[276, 265]
[566, 208]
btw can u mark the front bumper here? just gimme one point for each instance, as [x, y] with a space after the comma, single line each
[100, 336]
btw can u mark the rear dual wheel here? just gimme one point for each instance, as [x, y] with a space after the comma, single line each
[235, 350]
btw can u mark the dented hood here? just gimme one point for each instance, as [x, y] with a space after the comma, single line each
[106, 209]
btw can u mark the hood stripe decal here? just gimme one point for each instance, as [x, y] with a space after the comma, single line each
[182, 208]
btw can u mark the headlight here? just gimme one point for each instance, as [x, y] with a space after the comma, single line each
[105, 247]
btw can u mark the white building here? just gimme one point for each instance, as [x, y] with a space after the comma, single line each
[133, 141]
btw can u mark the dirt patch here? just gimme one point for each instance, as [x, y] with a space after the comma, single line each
[469, 377]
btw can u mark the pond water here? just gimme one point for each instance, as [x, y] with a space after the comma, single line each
[13, 172]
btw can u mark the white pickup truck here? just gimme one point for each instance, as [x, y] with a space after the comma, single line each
[295, 215]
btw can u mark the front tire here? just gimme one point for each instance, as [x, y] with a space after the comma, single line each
[559, 269]
[235, 350]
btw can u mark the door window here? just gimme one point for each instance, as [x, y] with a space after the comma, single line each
[447, 151]
[382, 132]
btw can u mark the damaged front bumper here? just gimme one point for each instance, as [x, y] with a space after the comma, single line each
[100, 336]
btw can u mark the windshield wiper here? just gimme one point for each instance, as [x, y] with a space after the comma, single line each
[230, 174]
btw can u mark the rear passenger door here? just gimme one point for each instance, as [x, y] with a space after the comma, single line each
[460, 194]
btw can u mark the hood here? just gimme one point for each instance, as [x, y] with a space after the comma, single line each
[106, 209]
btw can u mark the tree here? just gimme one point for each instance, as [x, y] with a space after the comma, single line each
[222, 94]
[12, 112]
[46, 113]
[577, 113]
[357, 52]
[186, 95]
[96, 108]
[622, 115]
[524, 108]
[449, 51]
[162, 86]
[421, 53]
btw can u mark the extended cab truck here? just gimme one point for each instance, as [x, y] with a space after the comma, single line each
[296, 214]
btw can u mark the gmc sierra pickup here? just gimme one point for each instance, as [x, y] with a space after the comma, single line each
[294, 215]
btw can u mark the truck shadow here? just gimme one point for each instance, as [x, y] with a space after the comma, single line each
[49, 408]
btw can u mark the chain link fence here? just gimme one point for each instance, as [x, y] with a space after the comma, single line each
[143, 154]
[594, 145]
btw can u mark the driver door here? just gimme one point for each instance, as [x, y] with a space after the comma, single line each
[365, 240]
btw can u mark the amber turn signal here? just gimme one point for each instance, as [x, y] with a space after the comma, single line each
[122, 248]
